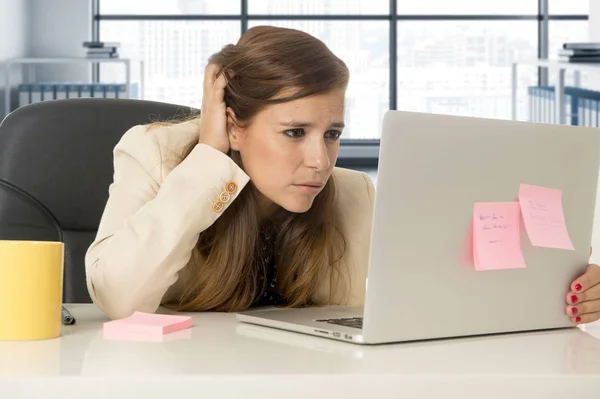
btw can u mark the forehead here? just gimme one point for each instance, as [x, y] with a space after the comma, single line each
[320, 107]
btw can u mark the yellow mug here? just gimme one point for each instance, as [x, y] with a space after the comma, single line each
[31, 283]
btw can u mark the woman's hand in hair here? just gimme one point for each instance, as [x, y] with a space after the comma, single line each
[213, 118]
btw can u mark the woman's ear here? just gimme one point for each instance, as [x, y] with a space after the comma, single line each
[234, 131]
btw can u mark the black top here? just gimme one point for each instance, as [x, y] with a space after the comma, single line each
[267, 273]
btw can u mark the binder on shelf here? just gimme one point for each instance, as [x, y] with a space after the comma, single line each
[86, 91]
[73, 90]
[23, 94]
[98, 91]
[545, 114]
[530, 102]
[47, 92]
[111, 91]
[571, 116]
[61, 91]
[35, 93]
[588, 113]
[548, 102]
[539, 103]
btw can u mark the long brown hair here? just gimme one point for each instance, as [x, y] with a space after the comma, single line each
[265, 62]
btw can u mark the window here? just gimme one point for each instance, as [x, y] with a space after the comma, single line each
[450, 56]
[169, 7]
[569, 7]
[175, 54]
[463, 67]
[318, 7]
[364, 47]
[467, 7]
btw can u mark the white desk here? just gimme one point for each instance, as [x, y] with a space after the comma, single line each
[559, 92]
[220, 358]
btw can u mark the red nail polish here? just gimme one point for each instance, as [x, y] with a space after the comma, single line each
[574, 298]
[574, 311]
[578, 287]
[577, 319]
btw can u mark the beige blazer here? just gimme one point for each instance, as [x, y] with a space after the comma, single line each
[159, 203]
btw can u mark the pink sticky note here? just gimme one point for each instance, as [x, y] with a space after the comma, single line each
[148, 324]
[118, 335]
[544, 217]
[496, 236]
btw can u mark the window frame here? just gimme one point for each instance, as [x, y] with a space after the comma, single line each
[356, 152]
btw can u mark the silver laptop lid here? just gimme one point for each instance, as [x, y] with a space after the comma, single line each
[432, 169]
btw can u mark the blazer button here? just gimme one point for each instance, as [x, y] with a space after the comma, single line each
[230, 187]
[225, 196]
[217, 206]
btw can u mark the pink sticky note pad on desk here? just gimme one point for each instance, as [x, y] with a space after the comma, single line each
[496, 236]
[544, 217]
[147, 324]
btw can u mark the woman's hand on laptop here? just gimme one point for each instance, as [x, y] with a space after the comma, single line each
[584, 298]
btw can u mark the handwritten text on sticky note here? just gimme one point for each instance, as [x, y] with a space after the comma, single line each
[496, 237]
[544, 217]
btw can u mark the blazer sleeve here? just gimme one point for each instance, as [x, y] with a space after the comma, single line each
[150, 226]
[370, 188]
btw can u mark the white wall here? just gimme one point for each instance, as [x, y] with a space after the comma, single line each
[44, 28]
[595, 20]
[14, 37]
[594, 26]
[57, 28]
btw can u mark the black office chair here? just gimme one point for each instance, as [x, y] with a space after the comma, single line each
[55, 170]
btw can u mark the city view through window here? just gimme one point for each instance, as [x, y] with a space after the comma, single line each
[455, 66]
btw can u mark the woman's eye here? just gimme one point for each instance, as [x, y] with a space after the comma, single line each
[333, 134]
[297, 133]
[294, 133]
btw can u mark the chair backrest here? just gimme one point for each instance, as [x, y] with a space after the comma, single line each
[56, 164]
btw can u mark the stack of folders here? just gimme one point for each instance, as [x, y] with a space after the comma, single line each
[30, 93]
[102, 49]
[580, 52]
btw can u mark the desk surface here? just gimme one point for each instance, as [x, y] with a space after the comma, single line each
[220, 357]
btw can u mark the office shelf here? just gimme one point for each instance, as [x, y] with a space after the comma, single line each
[559, 92]
[30, 74]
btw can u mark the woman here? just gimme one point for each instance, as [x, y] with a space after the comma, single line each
[185, 227]
[243, 206]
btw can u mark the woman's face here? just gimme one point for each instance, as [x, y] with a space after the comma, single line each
[290, 149]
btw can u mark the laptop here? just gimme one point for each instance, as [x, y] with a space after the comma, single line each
[422, 282]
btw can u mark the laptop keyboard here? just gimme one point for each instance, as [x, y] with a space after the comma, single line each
[354, 322]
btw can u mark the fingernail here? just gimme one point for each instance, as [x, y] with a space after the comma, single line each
[574, 298]
[574, 311]
[577, 319]
[578, 287]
